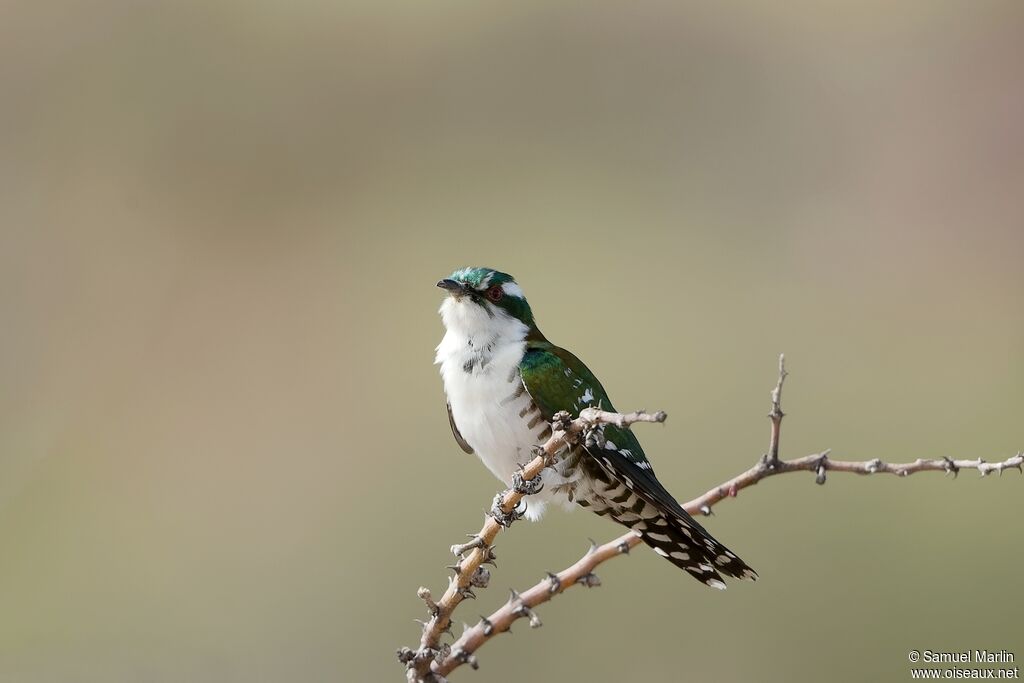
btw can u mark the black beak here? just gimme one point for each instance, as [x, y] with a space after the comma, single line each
[452, 286]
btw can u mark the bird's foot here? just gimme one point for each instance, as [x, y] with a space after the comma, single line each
[503, 518]
[593, 437]
[526, 487]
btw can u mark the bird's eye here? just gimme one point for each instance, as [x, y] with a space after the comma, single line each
[495, 293]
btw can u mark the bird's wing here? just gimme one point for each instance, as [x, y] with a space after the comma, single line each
[456, 433]
[557, 380]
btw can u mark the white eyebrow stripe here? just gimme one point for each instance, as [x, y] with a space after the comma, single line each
[512, 289]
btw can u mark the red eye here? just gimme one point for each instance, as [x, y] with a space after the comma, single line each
[495, 293]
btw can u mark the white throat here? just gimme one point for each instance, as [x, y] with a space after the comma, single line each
[478, 335]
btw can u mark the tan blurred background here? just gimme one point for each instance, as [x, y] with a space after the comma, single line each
[223, 448]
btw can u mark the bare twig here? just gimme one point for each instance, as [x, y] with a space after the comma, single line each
[776, 415]
[521, 605]
[470, 572]
[583, 570]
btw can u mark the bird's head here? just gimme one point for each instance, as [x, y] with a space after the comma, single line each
[484, 299]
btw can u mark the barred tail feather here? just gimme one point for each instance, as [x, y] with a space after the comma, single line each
[693, 550]
[630, 495]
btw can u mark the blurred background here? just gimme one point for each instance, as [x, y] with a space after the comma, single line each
[223, 446]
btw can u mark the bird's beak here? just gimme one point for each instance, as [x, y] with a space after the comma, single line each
[452, 287]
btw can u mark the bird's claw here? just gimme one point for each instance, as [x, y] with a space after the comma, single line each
[526, 487]
[594, 437]
[503, 518]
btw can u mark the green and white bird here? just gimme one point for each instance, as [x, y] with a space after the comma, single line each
[504, 381]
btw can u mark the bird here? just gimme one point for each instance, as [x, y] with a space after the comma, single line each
[504, 382]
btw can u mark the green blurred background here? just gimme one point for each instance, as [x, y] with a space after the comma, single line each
[223, 447]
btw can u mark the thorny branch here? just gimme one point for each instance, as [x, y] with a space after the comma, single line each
[470, 572]
[433, 661]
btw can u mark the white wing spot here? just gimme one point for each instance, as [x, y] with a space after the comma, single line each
[661, 552]
[587, 396]
[679, 555]
[715, 583]
[660, 537]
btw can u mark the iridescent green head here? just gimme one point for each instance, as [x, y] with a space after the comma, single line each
[494, 292]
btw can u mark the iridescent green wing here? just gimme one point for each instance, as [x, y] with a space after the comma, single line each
[558, 380]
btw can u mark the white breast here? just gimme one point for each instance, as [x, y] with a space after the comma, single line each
[479, 361]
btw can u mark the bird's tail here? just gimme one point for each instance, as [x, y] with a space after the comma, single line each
[687, 545]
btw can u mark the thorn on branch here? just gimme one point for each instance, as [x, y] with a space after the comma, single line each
[486, 626]
[819, 477]
[467, 658]
[623, 548]
[555, 583]
[524, 611]
[706, 510]
[405, 655]
[950, 466]
[593, 547]
[590, 580]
